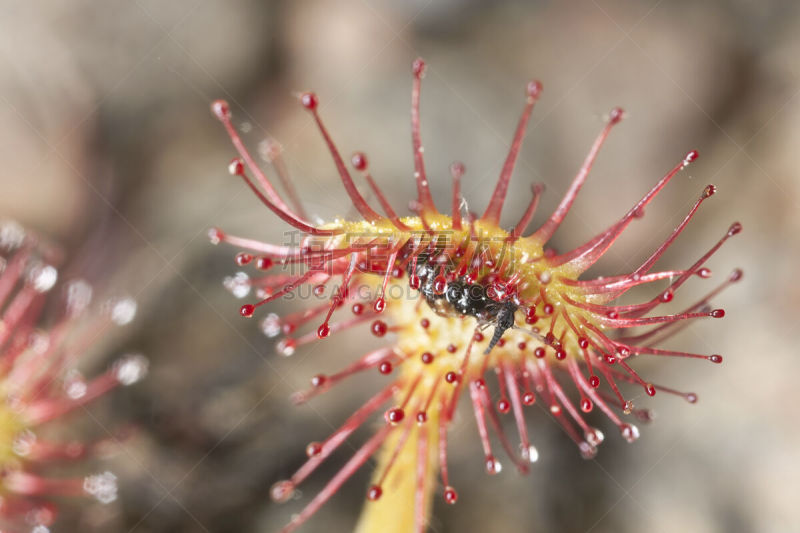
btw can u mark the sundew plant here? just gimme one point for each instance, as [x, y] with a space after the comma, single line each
[469, 309]
[48, 328]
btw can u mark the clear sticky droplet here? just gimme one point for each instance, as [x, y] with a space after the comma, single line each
[238, 284]
[629, 432]
[123, 311]
[282, 491]
[269, 149]
[12, 235]
[271, 325]
[529, 453]
[39, 341]
[215, 236]
[131, 368]
[493, 466]
[75, 385]
[23, 443]
[79, 296]
[102, 486]
[286, 347]
[587, 450]
[594, 437]
[42, 277]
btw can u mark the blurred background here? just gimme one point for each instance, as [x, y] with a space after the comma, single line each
[108, 146]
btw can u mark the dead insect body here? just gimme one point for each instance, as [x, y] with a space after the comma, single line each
[461, 297]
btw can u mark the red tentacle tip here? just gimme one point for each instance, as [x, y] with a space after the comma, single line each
[247, 310]
[221, 109]
[313, 449]
[690, 158]
[717, 313]
[493, 466]
[309, 100]
[263, 263]
[734, 229]
[418, 67]
[457, 169]
[616, 115]
[450, 495]
[379, 328]
[281, 491]
[236, 167]
[528, 398]
[394, 416]
[736, 275]
[709, 190]
[385, 367]
[534, 88]
[716, 358]
[359, 161]
[374, 493]
[243, 259]
[439, 284]
[323, 331]
[216, 235]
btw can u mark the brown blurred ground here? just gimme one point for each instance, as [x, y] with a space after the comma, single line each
[105, 132]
